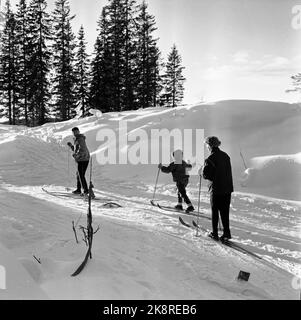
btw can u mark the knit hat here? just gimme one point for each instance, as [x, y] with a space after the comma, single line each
[212, 141]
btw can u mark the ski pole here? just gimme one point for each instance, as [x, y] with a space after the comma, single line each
[242, 157]
[199, 200]
[69, 144]
[157, 178]
[219, 224]
[68, 161]
[68, 164]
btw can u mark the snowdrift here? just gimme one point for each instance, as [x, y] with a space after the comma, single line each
[251, 128]
[279, 176]
[15, 282]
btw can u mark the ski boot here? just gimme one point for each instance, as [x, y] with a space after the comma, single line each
[213, 236]
[76, 191]
[179, 207]
[225, 238]
[86, 195]
[189, 209]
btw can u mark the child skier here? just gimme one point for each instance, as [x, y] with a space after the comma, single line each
[178, 169]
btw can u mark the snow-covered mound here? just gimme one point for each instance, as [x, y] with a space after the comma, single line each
[247, 128]
[15, 282]
[279, 176]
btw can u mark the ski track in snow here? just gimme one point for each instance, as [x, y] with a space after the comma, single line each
[278, 245]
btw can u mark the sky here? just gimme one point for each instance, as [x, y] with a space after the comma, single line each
[231, 49]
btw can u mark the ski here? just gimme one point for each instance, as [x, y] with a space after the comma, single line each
[185, 223]
[229, 243]
[62, 195]
[172, 209]
[153, 203]
[237, 247]
[83, 264]
[67, 195]
[112, 205]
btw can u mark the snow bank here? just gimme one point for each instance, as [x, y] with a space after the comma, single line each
[15, 282]
[279, 176]
[254, 128]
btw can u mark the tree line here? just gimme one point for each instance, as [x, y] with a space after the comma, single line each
[46, 73]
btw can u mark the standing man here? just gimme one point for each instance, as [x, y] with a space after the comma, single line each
[217, 169]
[81, 155]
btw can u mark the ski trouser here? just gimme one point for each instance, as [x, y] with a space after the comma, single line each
[182, 193]
[220, 204]
[80, 175]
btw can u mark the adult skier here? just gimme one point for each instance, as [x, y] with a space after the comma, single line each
[81, 155]
[179, 169]
[217, 169]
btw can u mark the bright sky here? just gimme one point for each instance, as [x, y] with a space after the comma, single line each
[232, 49]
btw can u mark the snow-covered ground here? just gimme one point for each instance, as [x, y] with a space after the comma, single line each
[140, 251]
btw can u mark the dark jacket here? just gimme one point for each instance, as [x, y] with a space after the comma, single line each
[81, 152]
[179, 171]
[217, 170]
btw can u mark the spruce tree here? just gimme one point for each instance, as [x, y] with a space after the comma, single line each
[116, 31]
[82, 73]
[148, 59]
[129, 96]
[102, 93]
[2, 19]
[173, 80]
[126, 60]
[63, 61]
[39, 61]
[23, 42]
[8, 67]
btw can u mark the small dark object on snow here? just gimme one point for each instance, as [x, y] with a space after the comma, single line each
[112, 205]
[74, 230]
[243, 275]
[39, 260]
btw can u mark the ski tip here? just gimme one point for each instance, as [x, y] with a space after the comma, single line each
[112, 205]
[184, 223]
[195, 224]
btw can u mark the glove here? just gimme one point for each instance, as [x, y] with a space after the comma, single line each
[70, 145]
[160, 165]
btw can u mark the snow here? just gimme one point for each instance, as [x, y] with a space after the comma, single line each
[266, 173]
[3, 119]
[17, 283]
[141, 252]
